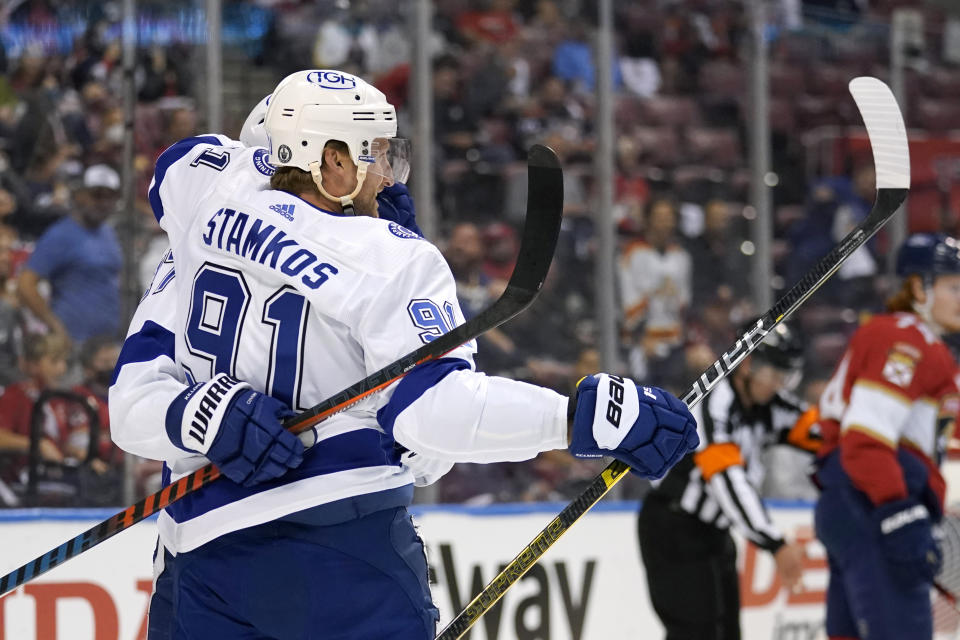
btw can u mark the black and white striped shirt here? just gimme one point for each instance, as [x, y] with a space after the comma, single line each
[719, 483]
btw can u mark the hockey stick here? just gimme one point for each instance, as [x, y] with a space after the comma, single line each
[540, 232]
[947, 583]
[888, 141]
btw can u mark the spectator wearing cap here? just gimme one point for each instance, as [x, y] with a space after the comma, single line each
[81, 259]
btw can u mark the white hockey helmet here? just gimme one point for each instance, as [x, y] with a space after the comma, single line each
[253, 133]
[310, 108]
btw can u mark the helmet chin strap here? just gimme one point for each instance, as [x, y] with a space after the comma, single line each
[346, 202]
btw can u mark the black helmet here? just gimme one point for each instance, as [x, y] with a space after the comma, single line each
[928, 255]
[780, 348]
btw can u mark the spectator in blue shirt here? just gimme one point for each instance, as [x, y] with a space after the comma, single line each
[80, 257]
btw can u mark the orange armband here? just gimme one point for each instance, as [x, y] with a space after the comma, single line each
[805, 434]
[717, 457]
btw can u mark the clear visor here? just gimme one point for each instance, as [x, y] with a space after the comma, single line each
[390, 159]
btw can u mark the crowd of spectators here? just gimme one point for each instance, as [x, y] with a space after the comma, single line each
[506, 74]
[61, 140]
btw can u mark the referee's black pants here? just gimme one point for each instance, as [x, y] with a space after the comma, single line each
[691, 572]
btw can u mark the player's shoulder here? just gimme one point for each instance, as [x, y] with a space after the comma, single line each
[254, 161]
[378, 237]
[195, 146]
[905, 331]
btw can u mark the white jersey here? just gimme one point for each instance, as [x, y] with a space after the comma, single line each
[301, 303]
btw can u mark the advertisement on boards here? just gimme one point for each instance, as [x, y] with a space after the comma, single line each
[590, 584]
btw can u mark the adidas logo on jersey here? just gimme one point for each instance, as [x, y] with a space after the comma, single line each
[286, 210]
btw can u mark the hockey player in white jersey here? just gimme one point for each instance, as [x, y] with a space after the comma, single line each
[282, 300]
[150, 368]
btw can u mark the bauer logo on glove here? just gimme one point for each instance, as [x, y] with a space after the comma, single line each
[643, 427]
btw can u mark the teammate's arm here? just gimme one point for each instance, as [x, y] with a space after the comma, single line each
[146, 378]
[156, 412]
[447, 410]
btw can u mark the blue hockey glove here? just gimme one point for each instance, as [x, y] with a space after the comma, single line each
[237, 428]
[644, 427]
[906, 539]
[396, 205]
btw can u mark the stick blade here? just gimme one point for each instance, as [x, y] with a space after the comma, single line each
[544, 215]
[888, 135]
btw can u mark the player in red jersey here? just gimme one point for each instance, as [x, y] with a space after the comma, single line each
[886, 415]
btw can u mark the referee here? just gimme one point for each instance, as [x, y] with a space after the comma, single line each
[689, 555]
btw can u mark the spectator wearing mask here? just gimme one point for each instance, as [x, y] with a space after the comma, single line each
[43, 364]
[98, 357]
[81, 258]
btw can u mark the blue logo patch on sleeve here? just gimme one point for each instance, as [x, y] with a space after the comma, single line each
[261, 160]
[402, 232]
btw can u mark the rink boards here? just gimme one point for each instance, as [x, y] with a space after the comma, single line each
[589, 584]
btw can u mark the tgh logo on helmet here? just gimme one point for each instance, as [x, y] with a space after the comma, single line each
[332, 79]
[284, 153]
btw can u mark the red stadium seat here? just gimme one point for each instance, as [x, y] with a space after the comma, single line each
[935, 114]
[816, 111]
[715, 147]
[659, 146]
[941, 83]
[824, 80]
[782, 118]
[786, 80]
[924, 211]
[722, 79]
[670, 110]
[628, 112]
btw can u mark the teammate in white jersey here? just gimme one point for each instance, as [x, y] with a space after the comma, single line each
[150, 367]
[317, 543]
